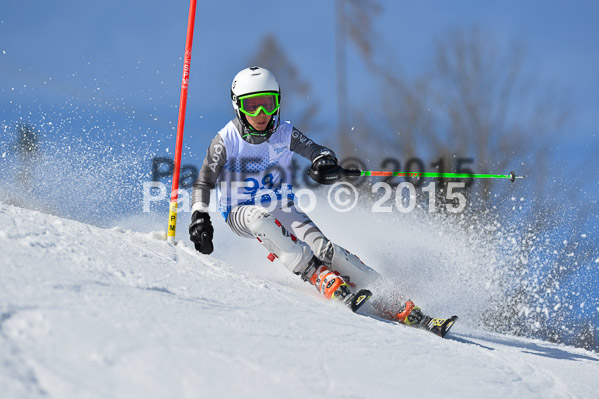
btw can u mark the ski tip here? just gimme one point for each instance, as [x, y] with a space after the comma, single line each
[447, 325]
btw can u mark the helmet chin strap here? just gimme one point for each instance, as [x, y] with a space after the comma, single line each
[270, 129]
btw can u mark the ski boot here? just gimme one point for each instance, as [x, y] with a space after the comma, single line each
[330, 283]
[333, 286]
[410, 314]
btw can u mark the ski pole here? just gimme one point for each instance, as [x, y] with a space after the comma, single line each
[357, 173]
[172, 213]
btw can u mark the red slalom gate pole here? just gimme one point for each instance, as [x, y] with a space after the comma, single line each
[172, 213]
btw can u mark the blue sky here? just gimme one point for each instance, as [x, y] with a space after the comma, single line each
[132, 49]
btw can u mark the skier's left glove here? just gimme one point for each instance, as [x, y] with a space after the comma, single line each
[324, 161]
[201, 232]
[325, 169]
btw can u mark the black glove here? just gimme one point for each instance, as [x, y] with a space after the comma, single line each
[324, 162]
[201, 232]
[325, 169]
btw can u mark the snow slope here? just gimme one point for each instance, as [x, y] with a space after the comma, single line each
[94, 313]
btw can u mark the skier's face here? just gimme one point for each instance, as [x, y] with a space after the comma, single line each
[260, 122]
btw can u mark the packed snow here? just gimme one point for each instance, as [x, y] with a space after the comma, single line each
[87, 312]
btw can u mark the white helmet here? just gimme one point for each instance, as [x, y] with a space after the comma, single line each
[255, 80]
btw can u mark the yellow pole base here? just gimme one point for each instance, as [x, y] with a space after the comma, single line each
[172, 222]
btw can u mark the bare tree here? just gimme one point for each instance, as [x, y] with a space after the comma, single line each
[475, 101]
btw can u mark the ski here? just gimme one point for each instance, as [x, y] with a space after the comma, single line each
[355, 301]
[438, 326]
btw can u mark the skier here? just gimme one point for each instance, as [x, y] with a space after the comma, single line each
[249, 162]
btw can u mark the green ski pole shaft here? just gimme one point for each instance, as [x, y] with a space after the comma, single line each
[356, 172]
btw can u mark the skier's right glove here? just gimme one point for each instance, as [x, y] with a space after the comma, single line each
[201, 232]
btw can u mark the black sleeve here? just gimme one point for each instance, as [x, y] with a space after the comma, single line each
[216, 157]
[302, 145]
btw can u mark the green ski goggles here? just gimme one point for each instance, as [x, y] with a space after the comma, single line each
[252, 104]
